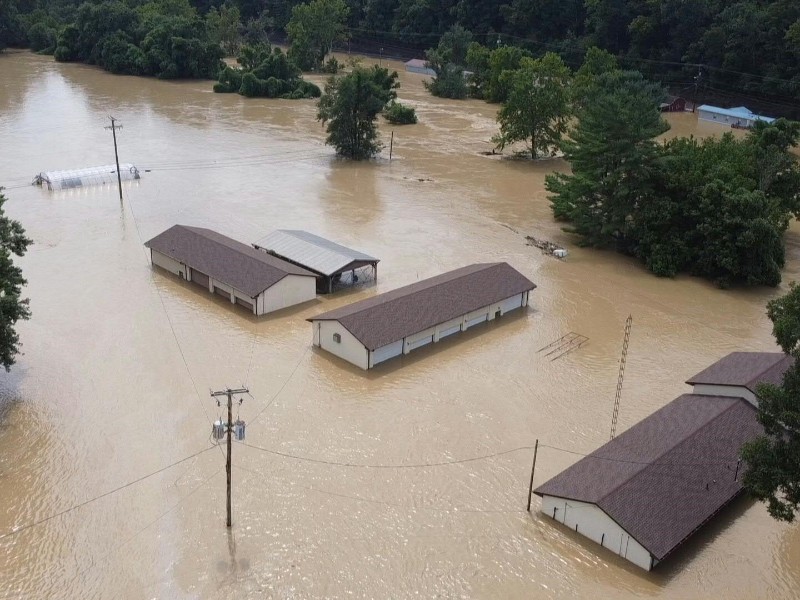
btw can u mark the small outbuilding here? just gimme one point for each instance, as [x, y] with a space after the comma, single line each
[418, 65]
[259, 282]
[374, 330]
[673, 104]
[332, 263]
[647, 491]
[739, 117]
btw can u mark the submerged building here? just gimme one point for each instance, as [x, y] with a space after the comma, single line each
[647, 491]
[248, 277]
[741, 116]
[372, 331]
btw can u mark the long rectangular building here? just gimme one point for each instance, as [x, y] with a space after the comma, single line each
[374, 330]
[248, 277]
[645, 492]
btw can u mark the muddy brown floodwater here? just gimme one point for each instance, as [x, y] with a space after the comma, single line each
[119, 359]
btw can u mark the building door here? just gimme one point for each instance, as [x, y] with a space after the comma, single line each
[200, 278]
[245, 303]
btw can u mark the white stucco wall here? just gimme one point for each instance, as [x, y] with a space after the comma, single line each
[165, 262]
[350, 349]
[734, 391]
[596, 525]
[291, 290]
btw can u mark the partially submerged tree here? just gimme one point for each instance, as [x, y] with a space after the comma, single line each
[12, 306]
[772, 461]
[313, 29]
[349, 107]
[612, 153]
[265, 72]
[537, 107]
[447, 60]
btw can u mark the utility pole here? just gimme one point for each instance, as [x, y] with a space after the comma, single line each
[533, 470]
[228, 426]
[113, 127]
[697, 79]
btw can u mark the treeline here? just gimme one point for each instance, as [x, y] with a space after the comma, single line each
[717, 208]
[747, 47]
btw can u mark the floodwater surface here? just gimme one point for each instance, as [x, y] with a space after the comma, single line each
[341, 491]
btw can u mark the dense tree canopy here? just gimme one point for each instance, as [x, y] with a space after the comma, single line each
[313, 29]
[717, 208]
[350, 106]
[772, 462]
[164, 38]
[265, 72]
[739, 48]
[612, 153]
[12, 306]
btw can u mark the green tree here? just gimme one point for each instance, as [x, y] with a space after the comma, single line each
[772, 461]
[12, 306]
[613, 154]
[595, 63]
[224, 27]
[502, 62]
[399, 114]
[313, 29]
[349, 107]
[448, 60]
[537, 107]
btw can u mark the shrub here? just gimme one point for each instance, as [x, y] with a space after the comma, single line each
[397, 114]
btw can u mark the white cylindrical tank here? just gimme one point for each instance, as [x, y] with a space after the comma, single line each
[560, 253]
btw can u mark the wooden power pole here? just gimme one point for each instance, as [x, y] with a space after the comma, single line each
[229, 429]
[113, 127]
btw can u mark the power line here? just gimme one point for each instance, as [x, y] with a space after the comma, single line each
[103, 495]
[385, 466]
[278, 393]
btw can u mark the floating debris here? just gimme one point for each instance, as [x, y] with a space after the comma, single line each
[546, 247]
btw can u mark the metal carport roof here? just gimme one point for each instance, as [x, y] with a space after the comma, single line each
[313, 252]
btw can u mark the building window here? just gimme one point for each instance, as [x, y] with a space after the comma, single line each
[337, 338]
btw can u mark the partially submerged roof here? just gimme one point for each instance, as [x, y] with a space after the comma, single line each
[72, 178]
[417, 62]
[392, 316]
[313, 252]
[745, 369]
[667, 475]
[740, 112]
[224, 259]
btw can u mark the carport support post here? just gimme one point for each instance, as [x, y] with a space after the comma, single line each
[533, 470]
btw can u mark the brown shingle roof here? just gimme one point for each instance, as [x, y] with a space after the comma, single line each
[391, 316]
[224, 259]
[667, 475]
[745, 369]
